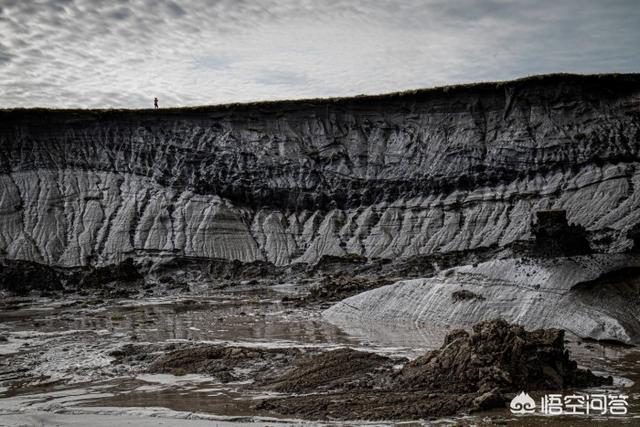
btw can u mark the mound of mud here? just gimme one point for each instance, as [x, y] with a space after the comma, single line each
[498, 356]
[468, 373]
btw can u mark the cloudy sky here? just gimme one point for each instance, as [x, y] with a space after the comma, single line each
[122, 53]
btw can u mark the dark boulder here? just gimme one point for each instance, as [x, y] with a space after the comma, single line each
[554, 236]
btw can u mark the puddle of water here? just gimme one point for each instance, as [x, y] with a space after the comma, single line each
[201, 320]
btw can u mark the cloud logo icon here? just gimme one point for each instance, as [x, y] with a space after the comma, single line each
[522, 404]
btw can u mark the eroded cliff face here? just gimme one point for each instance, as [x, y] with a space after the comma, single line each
[388, 176]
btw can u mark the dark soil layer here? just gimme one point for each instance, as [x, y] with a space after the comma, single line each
[22, 277]
[113, 281]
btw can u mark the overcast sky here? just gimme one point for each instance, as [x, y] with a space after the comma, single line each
[122, 53]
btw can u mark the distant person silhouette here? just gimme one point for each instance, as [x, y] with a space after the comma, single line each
[155, 102]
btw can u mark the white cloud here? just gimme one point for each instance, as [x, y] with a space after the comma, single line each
[106, 53]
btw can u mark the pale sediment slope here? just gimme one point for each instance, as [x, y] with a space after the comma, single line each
[389, 176]
[593, 296]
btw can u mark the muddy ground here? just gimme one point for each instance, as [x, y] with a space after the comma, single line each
[251, 346]
[244, 356]
[470, 372]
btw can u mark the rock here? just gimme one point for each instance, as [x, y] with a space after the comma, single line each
[465, 295]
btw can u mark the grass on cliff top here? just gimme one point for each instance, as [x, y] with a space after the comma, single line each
[438, 90]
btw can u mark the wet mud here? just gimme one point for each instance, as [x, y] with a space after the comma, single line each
[246, 355]
[470, 372]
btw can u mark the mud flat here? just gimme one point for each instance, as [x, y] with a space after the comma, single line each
[243, 356]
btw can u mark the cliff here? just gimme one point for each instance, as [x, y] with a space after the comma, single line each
[383, 176]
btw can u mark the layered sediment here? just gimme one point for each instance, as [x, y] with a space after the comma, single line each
[385, 176]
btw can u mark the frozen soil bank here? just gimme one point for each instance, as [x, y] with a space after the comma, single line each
[588, 295]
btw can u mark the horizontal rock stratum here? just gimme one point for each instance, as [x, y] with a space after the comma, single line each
[381, 176]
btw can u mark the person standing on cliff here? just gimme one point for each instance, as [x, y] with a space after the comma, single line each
[155, 102]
